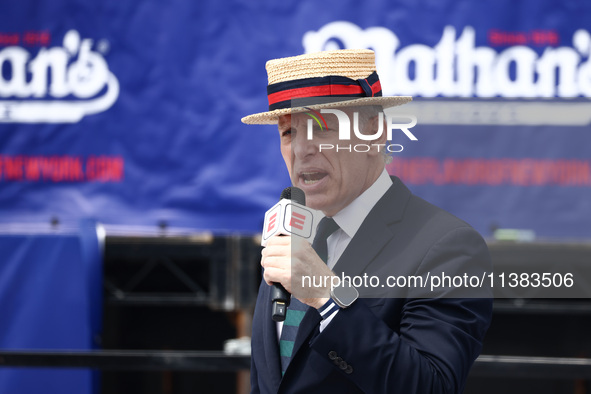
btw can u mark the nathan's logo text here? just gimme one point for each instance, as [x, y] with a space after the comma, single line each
[58, 85]
[457, 67]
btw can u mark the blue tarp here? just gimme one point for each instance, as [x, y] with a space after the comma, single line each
[50, 298]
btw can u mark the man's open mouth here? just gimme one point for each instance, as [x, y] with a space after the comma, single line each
[311, 177]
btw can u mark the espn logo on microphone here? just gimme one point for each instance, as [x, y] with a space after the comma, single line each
[287, 218]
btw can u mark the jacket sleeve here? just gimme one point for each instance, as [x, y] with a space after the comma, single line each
[428, 345]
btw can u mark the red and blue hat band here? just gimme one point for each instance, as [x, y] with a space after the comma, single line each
[280, 94]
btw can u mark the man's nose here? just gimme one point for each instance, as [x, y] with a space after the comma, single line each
[301, 146]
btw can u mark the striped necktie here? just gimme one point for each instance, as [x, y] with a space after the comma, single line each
[297, 310]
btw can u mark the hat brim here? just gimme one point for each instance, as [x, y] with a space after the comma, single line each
[272, 117]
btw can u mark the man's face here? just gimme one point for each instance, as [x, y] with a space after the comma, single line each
[331, 180]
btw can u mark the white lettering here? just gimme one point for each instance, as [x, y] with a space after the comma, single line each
[74, 69]
[457, 68]
[344, 123]
[391, 148]
[16, 58]
[368, 137]
[404, 127]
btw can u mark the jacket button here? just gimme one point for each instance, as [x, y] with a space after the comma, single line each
[343, 365]
[349, 369]
[338, 361]
[332, 354]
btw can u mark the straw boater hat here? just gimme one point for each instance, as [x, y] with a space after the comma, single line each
[344, 77]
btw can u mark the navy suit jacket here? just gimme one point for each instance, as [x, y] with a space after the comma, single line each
[404, 344]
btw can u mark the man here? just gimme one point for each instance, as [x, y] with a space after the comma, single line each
[372, 339]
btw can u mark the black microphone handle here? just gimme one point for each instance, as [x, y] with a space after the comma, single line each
[280, 297]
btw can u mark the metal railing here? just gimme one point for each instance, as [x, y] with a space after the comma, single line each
[485, 365]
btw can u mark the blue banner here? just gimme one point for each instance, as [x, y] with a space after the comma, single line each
[129, 112]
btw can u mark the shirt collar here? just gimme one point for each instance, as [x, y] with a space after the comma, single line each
[350, 218]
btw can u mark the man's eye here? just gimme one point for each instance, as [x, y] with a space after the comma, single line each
[286, 133]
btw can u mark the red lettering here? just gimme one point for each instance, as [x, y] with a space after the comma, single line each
[534, 37]
[13, 168]
[44, 38]
[76, 173]
[105, 168]
[506, 38]
[544, 37]
[523, 172]
[40, 38]
[297, 220]
[584, 174]
[9, 39]
[272, 221]
[32, 171]
[61, 168]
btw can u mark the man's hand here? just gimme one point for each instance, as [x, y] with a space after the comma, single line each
[292, 262]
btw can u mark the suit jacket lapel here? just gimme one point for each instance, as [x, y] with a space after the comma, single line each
[309, 322]
[375, 231]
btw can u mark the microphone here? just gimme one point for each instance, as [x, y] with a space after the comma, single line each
[289, 216]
